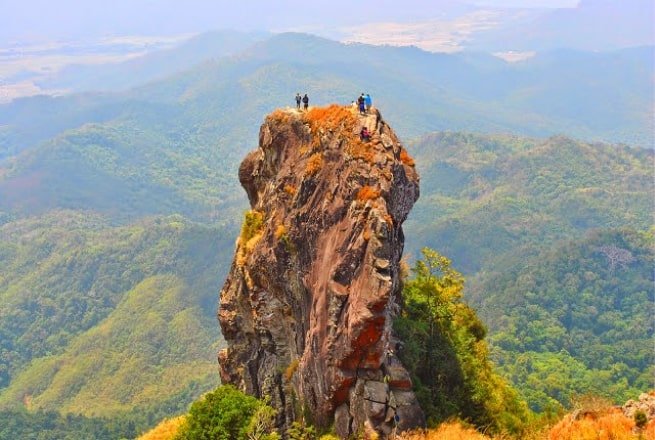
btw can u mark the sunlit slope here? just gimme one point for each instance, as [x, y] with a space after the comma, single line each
[154, 345]
[98, 319]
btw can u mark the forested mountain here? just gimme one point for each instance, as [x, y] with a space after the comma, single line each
[520, 194]
[575, 319]
[556, 238]
[593, 95]
[174, 145]
[151, 66]
[98, 319]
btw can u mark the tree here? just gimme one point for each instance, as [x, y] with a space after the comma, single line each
[445, 351]
[224, 414]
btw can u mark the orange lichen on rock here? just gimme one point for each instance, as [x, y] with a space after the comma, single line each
[314, 164]
[291, 369]
[290, 189]
[406, 158]
[367, 193]
[280, 231]
[333, 118]
[361, 150]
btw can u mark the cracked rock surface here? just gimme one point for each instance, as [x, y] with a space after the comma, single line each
[308, 305]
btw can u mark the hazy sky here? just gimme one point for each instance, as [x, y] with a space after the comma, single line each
[63, 19]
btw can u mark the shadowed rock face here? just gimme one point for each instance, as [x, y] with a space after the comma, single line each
[307, 307]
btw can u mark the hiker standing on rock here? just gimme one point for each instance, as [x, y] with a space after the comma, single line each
[369, 102]
[362, 106]
[305, 100]
[298, 100]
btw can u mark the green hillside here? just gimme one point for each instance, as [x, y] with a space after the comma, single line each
[532, 223]
[125, 171]
[98, 319]
[575, 319]
[486, 196]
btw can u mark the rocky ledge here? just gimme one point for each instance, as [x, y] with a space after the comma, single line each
[308, 305]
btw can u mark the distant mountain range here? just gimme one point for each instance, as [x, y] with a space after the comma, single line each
[94, 61]
[174, 135]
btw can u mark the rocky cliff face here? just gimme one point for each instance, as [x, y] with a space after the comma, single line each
[308, 305]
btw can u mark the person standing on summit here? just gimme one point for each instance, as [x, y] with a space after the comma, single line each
[305, 100]
[369, 102]
[361, 103]
[298, 100]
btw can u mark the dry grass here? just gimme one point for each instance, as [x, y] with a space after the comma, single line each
[251, 233]
[406, 158]
[367, 193]
[333, 117]
[290, 189]
[609, 426]
[596, 419]
[341, 121]
[446, 431]
[314, 164]
[387, 218]
[166, 430]
[280, 116]
[252, 224]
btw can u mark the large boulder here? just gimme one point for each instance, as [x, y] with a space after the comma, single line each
[308, 305]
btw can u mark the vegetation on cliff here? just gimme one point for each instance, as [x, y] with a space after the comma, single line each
[443, 347]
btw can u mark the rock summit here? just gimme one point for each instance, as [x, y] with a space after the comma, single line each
[308, 306]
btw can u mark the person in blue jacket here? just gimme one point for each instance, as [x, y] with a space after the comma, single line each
[368, 101]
